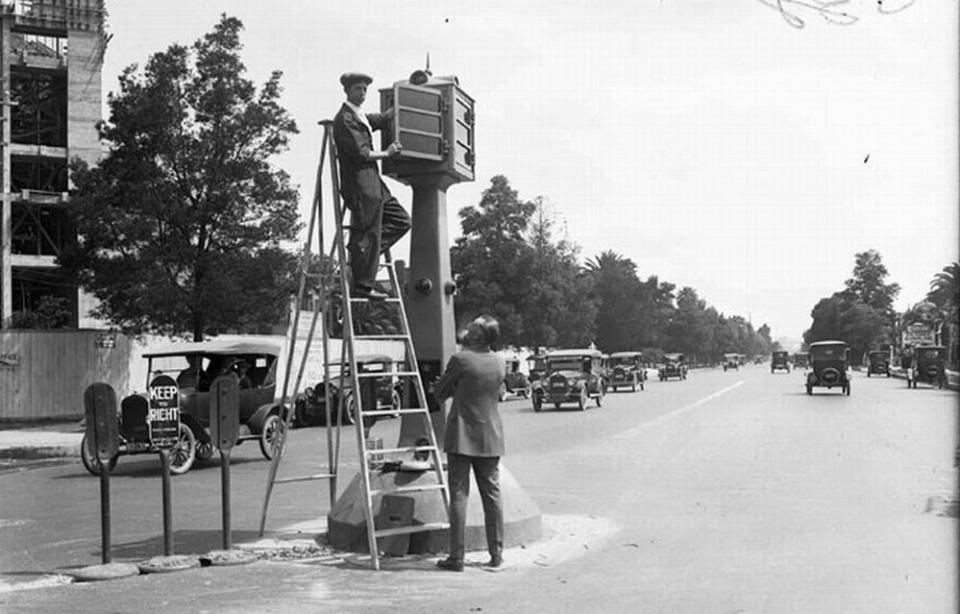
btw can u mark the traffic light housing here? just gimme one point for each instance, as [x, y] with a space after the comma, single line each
[434, 121]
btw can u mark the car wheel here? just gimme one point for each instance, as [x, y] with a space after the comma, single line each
[271, 437]
[599, 398]
[184, 452]
[809, 389]
[556, 405]
[846, 389]
[868, 372]
[90, 461]
[204, 450]
[537, 404]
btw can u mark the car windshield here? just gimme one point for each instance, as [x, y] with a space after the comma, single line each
[928, 353]
[829, 352]
[622, 361]
[567, 363]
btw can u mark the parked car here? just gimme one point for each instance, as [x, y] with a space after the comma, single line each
[514, 381]
[626, 369]
[878, 362]
[674, 365]
[194, 366]
[829, 361]
[928, 366]
[801, 360]
[731, 361]
[386, 392]
[572, 376]
[780, 360]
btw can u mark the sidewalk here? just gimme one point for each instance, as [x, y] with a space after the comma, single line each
[40, 441]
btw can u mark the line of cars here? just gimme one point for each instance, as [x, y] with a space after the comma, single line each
[827, 365]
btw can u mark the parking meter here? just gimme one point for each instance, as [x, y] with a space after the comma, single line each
[224, 412]
[103, 434]
[102, 426]
[224, 430]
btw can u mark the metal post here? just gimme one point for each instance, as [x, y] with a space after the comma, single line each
[225, 496]
[167, 506]
[105, 511]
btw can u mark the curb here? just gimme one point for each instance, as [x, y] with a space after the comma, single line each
[40, 452]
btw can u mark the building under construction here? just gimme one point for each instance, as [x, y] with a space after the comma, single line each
[51, 53]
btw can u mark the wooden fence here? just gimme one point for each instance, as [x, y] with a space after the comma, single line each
[43, 373]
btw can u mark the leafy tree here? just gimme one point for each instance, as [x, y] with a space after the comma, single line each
[867, 286]
[489, 256]
[182, 223]
[51, 312]
[617, 289]
[859, 325]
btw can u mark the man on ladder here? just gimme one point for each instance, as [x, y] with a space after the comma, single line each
[377, 219]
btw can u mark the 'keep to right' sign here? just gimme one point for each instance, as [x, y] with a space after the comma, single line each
[164, 414]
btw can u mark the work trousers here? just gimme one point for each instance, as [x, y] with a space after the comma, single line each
[486, 470]
[377, 221]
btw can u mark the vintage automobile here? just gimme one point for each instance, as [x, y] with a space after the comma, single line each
[536, 366]
[515, 382]
[801, 360]
[780, 360]
[626, 369]
[731, 361]
[828, 366]
[674, 365]
[194, 366]
[928, 366]
[572, 376]
[386, 392]
[878, 362]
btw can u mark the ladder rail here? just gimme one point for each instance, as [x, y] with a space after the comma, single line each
[349, 390]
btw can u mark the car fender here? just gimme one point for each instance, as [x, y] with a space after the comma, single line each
[263, 412]
[199, 431]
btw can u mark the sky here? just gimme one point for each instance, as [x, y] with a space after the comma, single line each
[714, 143]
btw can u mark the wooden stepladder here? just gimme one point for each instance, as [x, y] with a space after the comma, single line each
[335, 305]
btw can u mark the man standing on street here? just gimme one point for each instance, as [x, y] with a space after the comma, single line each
[377, 220]
[474, 437]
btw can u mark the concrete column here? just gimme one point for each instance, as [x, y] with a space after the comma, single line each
[429, 306]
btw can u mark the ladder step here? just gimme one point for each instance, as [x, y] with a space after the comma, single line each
[381, 337]
[305, 478]
[402, 450]
[390, 491]
[389, 299]
[388, 374]
[394, 412]
[417, 528]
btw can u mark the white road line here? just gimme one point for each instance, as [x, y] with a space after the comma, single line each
[675, 413]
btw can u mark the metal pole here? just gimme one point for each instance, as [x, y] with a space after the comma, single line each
[167, 507]
[105, 511]
[225, 495]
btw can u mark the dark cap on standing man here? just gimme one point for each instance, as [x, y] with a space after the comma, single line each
[349, 78]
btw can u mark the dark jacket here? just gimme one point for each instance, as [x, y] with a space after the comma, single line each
[358, 175]
[473, 379]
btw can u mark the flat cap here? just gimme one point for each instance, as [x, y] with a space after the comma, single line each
[349, 78]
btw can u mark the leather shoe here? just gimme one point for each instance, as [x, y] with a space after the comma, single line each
[495, 561]
[369, 293]
[450, 564]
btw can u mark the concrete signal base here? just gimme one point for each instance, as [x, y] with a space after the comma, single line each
[347, 529]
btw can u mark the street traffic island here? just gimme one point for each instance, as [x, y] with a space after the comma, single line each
[346, 522]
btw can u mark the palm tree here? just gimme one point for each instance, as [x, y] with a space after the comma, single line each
[945, 289]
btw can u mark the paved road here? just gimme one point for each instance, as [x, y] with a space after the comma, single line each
[728, 492]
